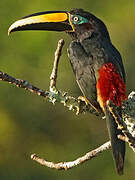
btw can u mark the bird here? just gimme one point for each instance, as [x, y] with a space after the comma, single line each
[95, 61]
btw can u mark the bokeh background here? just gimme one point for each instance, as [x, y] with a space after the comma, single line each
[29, 124]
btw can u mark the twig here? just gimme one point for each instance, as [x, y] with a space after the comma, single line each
[71, 164]
[23, 84]
[53, 76]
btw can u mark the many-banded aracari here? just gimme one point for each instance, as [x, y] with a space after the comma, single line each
[96, 63]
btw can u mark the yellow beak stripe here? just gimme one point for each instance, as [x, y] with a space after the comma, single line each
[53, 17]
[69, 18]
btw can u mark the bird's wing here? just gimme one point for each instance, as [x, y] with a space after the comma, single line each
[115, 57]
[82, 65]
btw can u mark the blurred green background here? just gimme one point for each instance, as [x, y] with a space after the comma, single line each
[28, 124]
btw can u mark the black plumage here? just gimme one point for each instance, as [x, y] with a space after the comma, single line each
[96, 63]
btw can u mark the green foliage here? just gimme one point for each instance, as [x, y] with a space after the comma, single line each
[30, 125]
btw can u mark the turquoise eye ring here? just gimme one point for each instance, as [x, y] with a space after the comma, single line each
[78, 19]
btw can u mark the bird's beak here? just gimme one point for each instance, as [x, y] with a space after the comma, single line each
[51, 21]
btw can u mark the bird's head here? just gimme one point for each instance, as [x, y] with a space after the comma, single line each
[78, 23]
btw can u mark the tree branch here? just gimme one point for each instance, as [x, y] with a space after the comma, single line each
[23, 84]
[126, 123]
[71, 164]
[53, 95]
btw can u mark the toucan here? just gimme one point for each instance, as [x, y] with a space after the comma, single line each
[96, 63]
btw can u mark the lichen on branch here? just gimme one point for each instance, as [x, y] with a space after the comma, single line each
[78, 105]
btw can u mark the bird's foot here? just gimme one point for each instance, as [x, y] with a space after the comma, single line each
[83, 98]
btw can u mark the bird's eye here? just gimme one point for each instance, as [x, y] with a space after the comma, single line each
[76, 19]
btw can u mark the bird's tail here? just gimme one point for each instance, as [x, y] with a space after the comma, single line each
[118, 146]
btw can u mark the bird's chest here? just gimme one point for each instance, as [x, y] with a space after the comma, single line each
[87, 55]
[80, 60]
[97, 52]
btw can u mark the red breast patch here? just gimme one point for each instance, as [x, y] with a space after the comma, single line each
[110, 85]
